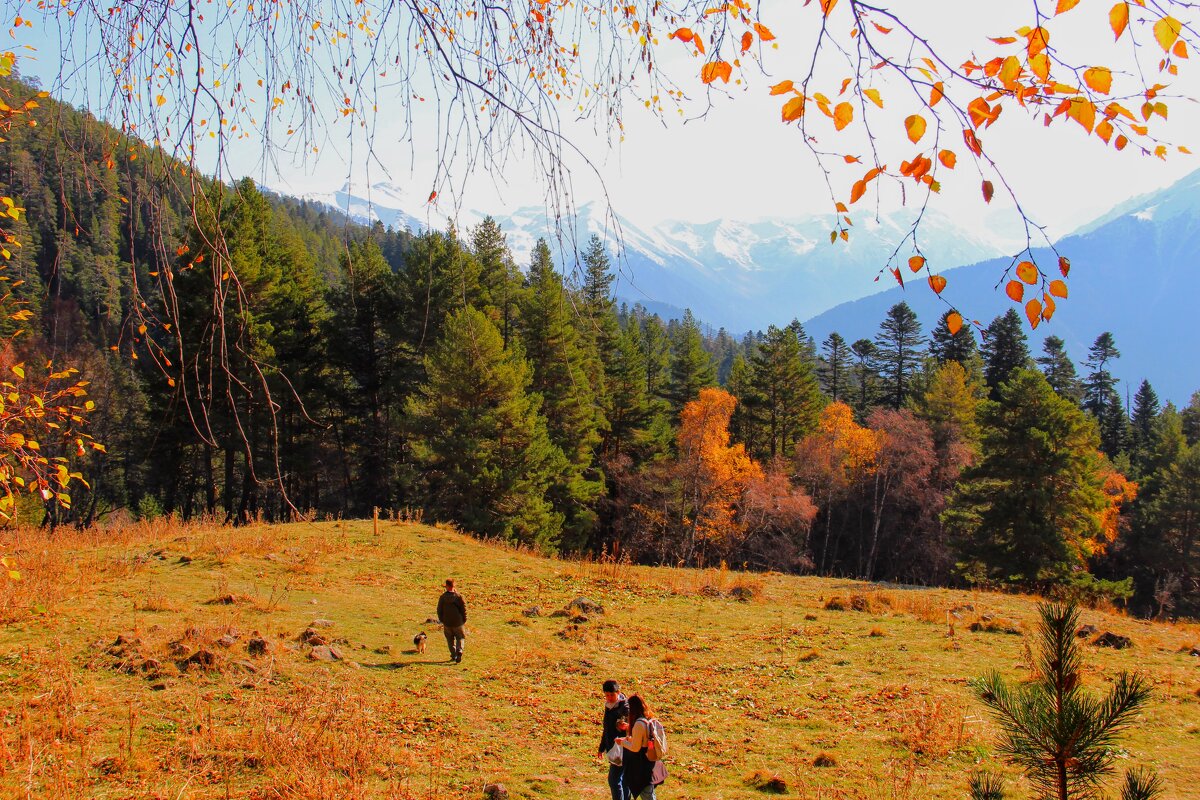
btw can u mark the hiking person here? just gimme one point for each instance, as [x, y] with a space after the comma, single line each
[638, 769]
[452, 613]
[616, 713]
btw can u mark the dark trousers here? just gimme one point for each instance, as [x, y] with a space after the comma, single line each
[614, 783]
[455, 638]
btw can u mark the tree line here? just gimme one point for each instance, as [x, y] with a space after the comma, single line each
[340, 368]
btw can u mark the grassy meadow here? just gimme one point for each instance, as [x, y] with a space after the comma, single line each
[124, 672]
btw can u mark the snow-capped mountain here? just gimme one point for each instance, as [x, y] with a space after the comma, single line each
[740, 274]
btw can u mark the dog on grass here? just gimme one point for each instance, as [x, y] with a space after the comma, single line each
[419, 641]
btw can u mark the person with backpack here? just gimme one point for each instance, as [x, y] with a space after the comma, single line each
[616, 713]
[644, 749]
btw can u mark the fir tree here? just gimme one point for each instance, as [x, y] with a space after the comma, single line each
[866, 379]
[692, 367]
[834, 370]
[487, 460]
[1146, 409]
[1005, 349]
[630, 407]
[784, 400]
[899, 350]
[1059, 369]
[500, 282]
[946, 346]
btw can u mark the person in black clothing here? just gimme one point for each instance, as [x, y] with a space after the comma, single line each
[616, 712]
[638, 772]
[452, 613]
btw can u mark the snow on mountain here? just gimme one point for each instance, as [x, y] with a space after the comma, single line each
[741, 274]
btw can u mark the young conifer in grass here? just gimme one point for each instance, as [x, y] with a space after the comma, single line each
[1063, 737]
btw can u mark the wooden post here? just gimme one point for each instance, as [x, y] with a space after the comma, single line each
[375, 519]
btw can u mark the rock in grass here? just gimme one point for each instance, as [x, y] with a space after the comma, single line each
[258, 646]
[325, 653]
[1113, 640]
[495, 791]
[1086, 630]
[321, 623]
[585, 606]
[824, 760]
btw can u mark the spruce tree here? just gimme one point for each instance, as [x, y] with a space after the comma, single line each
[899, 351]
[784, 401]
[1059, 369]
[692, 367]
[499, 279]
[946, 346]
[1146, 409]
[866, 378]
[1064, 739]
[630, 406]
[559, 362]
[1005, 349]
[834, 370]
[487, 461]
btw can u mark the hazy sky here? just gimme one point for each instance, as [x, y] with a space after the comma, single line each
[740, 161]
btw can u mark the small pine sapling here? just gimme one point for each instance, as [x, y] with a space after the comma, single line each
[1063, 738]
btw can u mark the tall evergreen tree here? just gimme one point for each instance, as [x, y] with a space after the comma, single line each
[899, 350]
[1059, 369]
[500, 281]
[866, 378]
[559, 362]
[630, 404]
[1005, 349]
[692, 367]
[784, 401]
[1146, 409]
[834, 370]
[487, 460]
[946, 346]
[1030, 510]
[1100, 395]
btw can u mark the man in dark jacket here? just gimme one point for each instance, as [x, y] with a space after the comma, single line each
[452, 613]
[616, 713]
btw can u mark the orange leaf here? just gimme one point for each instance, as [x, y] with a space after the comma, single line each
[763, 32]
[954, 322]
[937, 283]
[1064, 266]
[1039, 40]
[857, 191]
[1058, 288]
[842, 115]
[827, 6]
[1180, 49]
[1065, 5]
[1082, 111]
[936, 94]
[916, 262]
[1166, 32]
[1048, 311]
[683, 35]
[747, 40]
[1104, 130]
[972, 141]
[432, 196]
[1027, 272]
[716, 69]
[852, 159]
[1098, 78]
[1121, 142]
[948, 158]
[874, 97]
[915, 126]
[1015, 290]
[988, 191]
[1118, 18]
[1033, 312]
[783, 87]
[898, 276]
[793, 109]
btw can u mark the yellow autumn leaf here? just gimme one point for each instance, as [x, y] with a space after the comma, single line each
[915, 126]
[1166, 32]
[1118, 18]
[1027, 272]
[843, 115]
[873, 96]
[1098, 78]
[1058, 288]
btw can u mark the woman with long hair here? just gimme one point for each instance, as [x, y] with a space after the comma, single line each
[638, 769]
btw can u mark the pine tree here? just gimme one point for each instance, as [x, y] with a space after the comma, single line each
[1100, 395]
[1062, 738]
[692, 367]
[487, 460]
[834, 370]
[1005, 349]
[946, 346]
[500, 281]
[1146, 409]
[899, 350]
[1030, 510]
[1190, 417]
[630, 408]
[1060, 370]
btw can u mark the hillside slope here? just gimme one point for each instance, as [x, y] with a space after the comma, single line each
[94, 704]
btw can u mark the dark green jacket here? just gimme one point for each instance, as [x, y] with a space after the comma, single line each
[452, 611]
